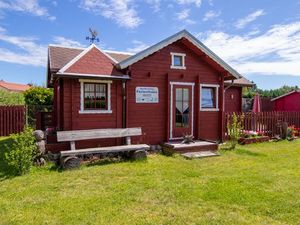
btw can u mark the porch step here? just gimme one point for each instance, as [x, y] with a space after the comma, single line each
[197, 146]
[202, 154]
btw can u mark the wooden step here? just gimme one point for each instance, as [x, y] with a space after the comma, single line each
[193, 147]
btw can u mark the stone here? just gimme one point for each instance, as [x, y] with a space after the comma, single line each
[39, 135]
[41, 147]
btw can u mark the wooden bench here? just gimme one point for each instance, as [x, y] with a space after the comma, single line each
[69, 159]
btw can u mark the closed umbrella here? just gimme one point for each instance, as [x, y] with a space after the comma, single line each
[256, 104]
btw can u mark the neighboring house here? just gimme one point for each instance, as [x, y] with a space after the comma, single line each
[172, 88]
[287, 102]
[13, 87]
[234, 94]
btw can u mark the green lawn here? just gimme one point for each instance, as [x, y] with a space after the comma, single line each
[256, 184]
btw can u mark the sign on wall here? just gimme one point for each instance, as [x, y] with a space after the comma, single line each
[146, 95]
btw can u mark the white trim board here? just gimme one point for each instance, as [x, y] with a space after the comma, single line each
[84, 111]
[171, 107]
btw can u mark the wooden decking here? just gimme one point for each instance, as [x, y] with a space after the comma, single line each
[192, 147]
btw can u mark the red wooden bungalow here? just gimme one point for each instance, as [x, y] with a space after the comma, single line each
[288, 102]
[172, 88]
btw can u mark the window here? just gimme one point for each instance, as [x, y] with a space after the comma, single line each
[182, 107]
[209, 97]
[178, 61]
[95, 96]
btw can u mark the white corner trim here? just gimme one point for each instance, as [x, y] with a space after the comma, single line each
[73, 61]
[84, 111]
[172, 60]
[171, 107]
[216, 86]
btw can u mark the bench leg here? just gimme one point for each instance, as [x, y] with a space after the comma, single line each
[139, 155]
[128, 140]
[70, 162]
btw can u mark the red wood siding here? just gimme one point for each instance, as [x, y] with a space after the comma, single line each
[93, 62]
[154, 71]
[288, 103]
[233, 99]
[73, 120]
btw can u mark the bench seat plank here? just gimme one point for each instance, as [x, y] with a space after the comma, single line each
[77, 135]
[121, 148]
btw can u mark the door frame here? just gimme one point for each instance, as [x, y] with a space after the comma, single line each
[172, 83]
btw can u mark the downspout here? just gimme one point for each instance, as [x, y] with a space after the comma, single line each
[124, 104]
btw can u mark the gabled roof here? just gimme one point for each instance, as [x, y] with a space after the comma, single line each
[83, 53]
[182, 34]
[241, 82]
[13, 86]
[281, 96]
[60, 55]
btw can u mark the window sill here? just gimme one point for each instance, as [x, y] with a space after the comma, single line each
[178, 67]
[95, 111]
[208, 109]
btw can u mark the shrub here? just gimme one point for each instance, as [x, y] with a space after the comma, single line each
[11, 98]
[234, 129]
[38, 96]
[22, 151]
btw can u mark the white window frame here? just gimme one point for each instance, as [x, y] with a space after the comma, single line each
[216, 86]
[100, 111]
[183, 60]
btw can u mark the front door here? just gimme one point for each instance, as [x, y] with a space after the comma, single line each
[182, 111]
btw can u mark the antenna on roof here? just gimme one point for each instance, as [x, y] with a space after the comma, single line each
[94, 35]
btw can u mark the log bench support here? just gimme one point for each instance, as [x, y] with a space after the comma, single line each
[69, 159]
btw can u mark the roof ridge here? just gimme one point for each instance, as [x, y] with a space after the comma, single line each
[66, 46]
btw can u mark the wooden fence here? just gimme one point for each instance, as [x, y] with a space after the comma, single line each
[12, 119]
[267, 122]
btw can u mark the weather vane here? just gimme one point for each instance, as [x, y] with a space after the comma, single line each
[94, 38]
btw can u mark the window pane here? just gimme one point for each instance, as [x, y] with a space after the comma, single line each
[186, 94]
[95, 96]
[177, 60]
[208, 98]
[178, 94]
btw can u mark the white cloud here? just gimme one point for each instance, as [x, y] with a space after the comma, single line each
[155, 4]
[241, 23]
[121, 11]
[277, 51]
[210, 15]
[138, 46]
[26, 6]
[66, 42]
[197, 3]
[25, 51]
[184, 16]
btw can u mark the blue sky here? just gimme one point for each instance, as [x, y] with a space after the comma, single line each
[260, 39]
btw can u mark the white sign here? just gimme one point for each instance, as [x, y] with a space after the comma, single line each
[146, 95]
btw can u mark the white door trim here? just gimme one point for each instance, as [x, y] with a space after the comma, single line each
[171, 107]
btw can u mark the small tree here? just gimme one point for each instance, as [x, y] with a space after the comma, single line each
[21, 152]
[234, 129]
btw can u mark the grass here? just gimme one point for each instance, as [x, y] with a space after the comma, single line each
[255, 184]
